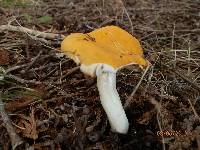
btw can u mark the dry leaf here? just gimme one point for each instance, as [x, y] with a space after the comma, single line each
[144, 119]
[18, 104]
[4, 57]
[29, 125]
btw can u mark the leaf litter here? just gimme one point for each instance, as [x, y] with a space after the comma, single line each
[65, 112]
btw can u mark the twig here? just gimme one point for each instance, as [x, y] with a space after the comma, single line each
[173, 36]
[15, 139]
[24, 65]
[49, 36]
[15, 68]
[70, 71]
[121, 5]
[193, 109]
[186, 79]
[160, 128]
[149, 29]
[23, 81]
[158, 107]
[189, 58]
[41, 39]
[129, 18]
[128, 101]
[50, 73]
[33, 61]
[194, 85]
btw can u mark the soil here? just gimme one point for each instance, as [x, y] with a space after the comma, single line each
[52, 105]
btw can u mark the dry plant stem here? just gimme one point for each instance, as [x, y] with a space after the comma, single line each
[158, 106]
[49, 36]
[193, 109]
[128, 101]
[50, 73]
[194, 85]
[159, 124]
[15, 139]
[15, 68]
[23, 81]
[33, 61]
[188, 80]
[129, 18]
[70, 71]
[121, 5]
[142, 28]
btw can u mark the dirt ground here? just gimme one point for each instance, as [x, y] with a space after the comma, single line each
[50, 104]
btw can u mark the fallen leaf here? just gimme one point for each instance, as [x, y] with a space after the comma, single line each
[29, 126]
[4, 57]
[145, 118]
[18, 104]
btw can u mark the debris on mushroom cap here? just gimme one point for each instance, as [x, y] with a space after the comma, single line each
[109, 45]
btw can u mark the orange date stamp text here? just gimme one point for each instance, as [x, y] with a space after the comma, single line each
[168, 133]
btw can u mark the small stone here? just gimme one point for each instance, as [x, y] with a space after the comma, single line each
[65, 118]
[86, 111]
[62, 107]
[1, 78]
[89, 129]
[94, 136]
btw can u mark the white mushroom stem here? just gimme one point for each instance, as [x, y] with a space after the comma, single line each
[110, 100]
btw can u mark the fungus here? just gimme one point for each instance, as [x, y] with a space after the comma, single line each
[101, 53]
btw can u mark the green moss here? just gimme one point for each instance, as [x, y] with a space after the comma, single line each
[45, 20]
[14, 3]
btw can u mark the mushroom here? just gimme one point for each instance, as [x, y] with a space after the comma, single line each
[102, 53]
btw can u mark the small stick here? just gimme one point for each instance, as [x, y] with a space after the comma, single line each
[128, 101]
[181, 75]
[33, 61]
[70, 71]
[39, 34]
[193, 109]
[194, 85]
[15, 68]
[158, 108]
[160, 128]
[175, 55]
[15, 139]
[23, 81]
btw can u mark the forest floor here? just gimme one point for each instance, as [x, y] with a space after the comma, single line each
[47, 103]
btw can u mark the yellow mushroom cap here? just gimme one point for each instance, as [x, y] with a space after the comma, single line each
[108, 45]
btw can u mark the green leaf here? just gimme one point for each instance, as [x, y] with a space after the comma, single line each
[14, 3]
[45, 20]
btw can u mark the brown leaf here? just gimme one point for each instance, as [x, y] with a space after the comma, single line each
[29, 125]
[146, 117]
[4, 57]
[18, 104]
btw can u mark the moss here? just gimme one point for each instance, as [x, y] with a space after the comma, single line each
[45, 20]
[14, 3]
